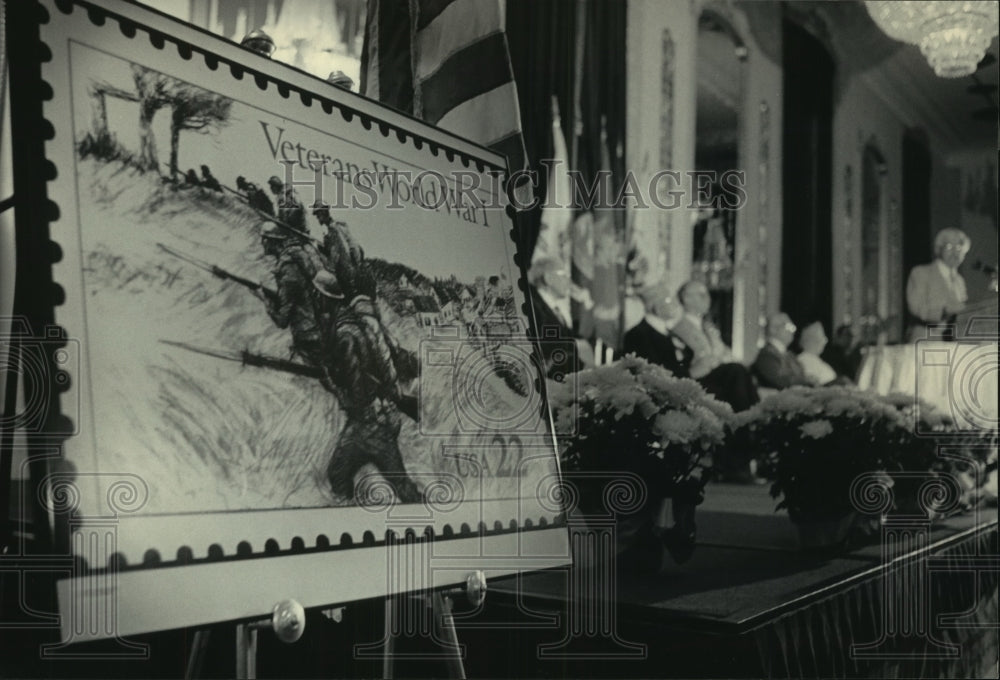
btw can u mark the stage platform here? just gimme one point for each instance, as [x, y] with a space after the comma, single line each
[918, 600]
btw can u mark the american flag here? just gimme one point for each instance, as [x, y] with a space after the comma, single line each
[446, 62]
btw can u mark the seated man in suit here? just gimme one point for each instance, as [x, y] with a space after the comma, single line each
[712, 363]
[813, 340]
[775, 366]
[936, 292]
[652, 338]
[549, 291]
[842, 353]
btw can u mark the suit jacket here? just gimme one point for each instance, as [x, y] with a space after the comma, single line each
[706, 345]
[553, 335]
[778, 370]
[665, 350]
[844, 363]
[931, 298]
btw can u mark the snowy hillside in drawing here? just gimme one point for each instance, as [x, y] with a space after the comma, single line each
[205, 432]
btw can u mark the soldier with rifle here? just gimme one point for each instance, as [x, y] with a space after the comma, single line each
[290, 209]
[255, 197]
[344, 345]
[208, 180]
[362, 369]
[346, 260]
[404, 361]
[294, 304]
[344, 257]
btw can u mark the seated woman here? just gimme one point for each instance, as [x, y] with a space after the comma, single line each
[813, 340]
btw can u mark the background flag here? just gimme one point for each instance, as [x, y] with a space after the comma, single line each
[605, 289]
[557, 212]
[582, 236]
[446, 62]
[582, 273]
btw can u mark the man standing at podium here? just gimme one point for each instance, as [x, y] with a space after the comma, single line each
[936, 292]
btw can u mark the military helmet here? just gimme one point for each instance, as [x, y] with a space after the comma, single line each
[260, 42]
[275, 181]
[327, 284]
[340, 79]
[275, 233]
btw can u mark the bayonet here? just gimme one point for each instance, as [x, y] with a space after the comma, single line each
[407, 404]
[247, 358]
[218, 271]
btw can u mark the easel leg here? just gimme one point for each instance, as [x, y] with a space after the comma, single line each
[198, 647]
[391, 631]
[443, 632]
[446, 634]
[246, 652]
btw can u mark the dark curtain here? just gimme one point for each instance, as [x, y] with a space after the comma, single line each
[872, 167]
[603, 91]
[807, 269]
[916, 205]
[542, 38]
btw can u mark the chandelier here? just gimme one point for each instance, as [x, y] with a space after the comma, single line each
[952, 34]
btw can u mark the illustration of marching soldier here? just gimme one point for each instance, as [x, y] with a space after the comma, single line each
[344, 257]
[293, 305]
[290, 209]
[338, 335]
[362, 369]
[343, 336]
[255, 197]
[208, 180]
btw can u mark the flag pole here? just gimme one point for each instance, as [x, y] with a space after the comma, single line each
[579, 48]
[622, 258]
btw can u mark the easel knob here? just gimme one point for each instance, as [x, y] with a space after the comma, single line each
[288, 619]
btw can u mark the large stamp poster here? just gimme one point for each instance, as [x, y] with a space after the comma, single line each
[295, 324]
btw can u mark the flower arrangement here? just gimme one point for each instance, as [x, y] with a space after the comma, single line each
[634, 416]
[939, 446]
[937, 426]
[813, 442]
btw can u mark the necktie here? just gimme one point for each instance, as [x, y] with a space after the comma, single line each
[956, 285]
[712, 333]
[562, 317]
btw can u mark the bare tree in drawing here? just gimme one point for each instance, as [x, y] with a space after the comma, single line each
[191, 108]
[194, 109]
[154, 92]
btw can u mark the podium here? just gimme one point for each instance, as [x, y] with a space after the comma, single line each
[978, 321]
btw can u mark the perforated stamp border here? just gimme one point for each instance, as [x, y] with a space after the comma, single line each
[188, 545]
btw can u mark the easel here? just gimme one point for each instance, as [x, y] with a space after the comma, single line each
[288, 621]
[443, 630]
